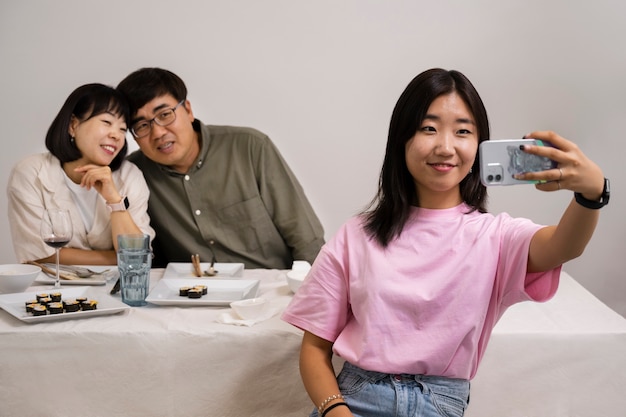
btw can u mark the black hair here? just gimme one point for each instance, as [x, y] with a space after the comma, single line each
[390, 208]
[85, 102]
[145, 84]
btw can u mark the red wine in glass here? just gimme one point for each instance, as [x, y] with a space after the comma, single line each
[56, 231]
[56, 242]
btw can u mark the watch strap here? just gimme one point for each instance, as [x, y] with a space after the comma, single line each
[595, 205]
[121, 206]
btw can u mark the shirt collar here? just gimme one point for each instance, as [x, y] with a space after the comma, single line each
[204, 136]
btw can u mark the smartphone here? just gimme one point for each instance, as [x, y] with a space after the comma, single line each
[501, 159]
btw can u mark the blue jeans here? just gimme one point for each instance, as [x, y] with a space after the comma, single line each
[374, 394]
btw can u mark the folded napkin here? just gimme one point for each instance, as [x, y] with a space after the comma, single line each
[232, 318]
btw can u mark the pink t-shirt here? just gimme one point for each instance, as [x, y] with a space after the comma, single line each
[428, 302]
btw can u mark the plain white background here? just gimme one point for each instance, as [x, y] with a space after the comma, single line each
[321, 79]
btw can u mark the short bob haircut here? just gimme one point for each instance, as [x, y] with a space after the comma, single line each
[146, 84]
[85, 102]
[387, 213]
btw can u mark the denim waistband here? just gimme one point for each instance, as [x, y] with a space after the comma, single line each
[407, 394]
[461, 384]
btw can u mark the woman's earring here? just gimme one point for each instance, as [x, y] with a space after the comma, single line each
[72, 140]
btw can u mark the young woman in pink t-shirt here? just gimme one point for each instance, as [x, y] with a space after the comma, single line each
[408, 292]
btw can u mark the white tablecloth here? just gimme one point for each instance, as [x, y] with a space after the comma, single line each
[563, 358]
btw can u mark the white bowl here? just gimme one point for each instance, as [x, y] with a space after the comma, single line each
[17, 277]
[250, 308]
[295, 279]
[300, 266]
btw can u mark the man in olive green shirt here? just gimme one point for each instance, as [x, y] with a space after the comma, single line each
[215, 190]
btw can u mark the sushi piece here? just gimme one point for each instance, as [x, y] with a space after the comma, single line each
[202, 288]
[29, 307]
[45, 300]
[39, 310]
[55, 307]
[71, 306]
[194, 293]
[87, 305]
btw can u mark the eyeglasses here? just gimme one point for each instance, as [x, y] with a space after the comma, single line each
[164, 118]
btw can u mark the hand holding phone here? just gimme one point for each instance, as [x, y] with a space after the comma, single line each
[501, 159]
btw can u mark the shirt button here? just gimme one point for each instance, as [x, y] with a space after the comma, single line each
[186, 177]
[198, 212]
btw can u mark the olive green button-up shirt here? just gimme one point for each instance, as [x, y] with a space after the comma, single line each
[239, 200]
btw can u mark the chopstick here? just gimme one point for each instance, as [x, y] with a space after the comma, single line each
[52, 272]
[116, 287]
[195, 261]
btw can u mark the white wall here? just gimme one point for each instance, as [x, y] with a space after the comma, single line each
[321, 78]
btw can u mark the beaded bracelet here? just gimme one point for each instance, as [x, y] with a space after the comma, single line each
[333, 406]
[320, 409]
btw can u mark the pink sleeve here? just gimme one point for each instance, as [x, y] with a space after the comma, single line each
[516, 283]
[541, 286]
[321, 305]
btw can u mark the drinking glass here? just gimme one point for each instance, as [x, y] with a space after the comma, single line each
[134, 259]
[56, 231]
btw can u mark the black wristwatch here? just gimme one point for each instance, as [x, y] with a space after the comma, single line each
[595, 205]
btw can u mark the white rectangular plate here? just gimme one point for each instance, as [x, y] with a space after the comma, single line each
[185, 270]
[219, 292]
[112, 273]
[14, 304]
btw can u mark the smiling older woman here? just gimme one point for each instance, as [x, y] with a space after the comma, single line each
[84, 172]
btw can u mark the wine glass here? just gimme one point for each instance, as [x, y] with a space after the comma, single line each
[56, 231]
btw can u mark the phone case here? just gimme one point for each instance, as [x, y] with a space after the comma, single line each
[501, 159]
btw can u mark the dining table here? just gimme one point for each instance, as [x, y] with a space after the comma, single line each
[564, 357]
